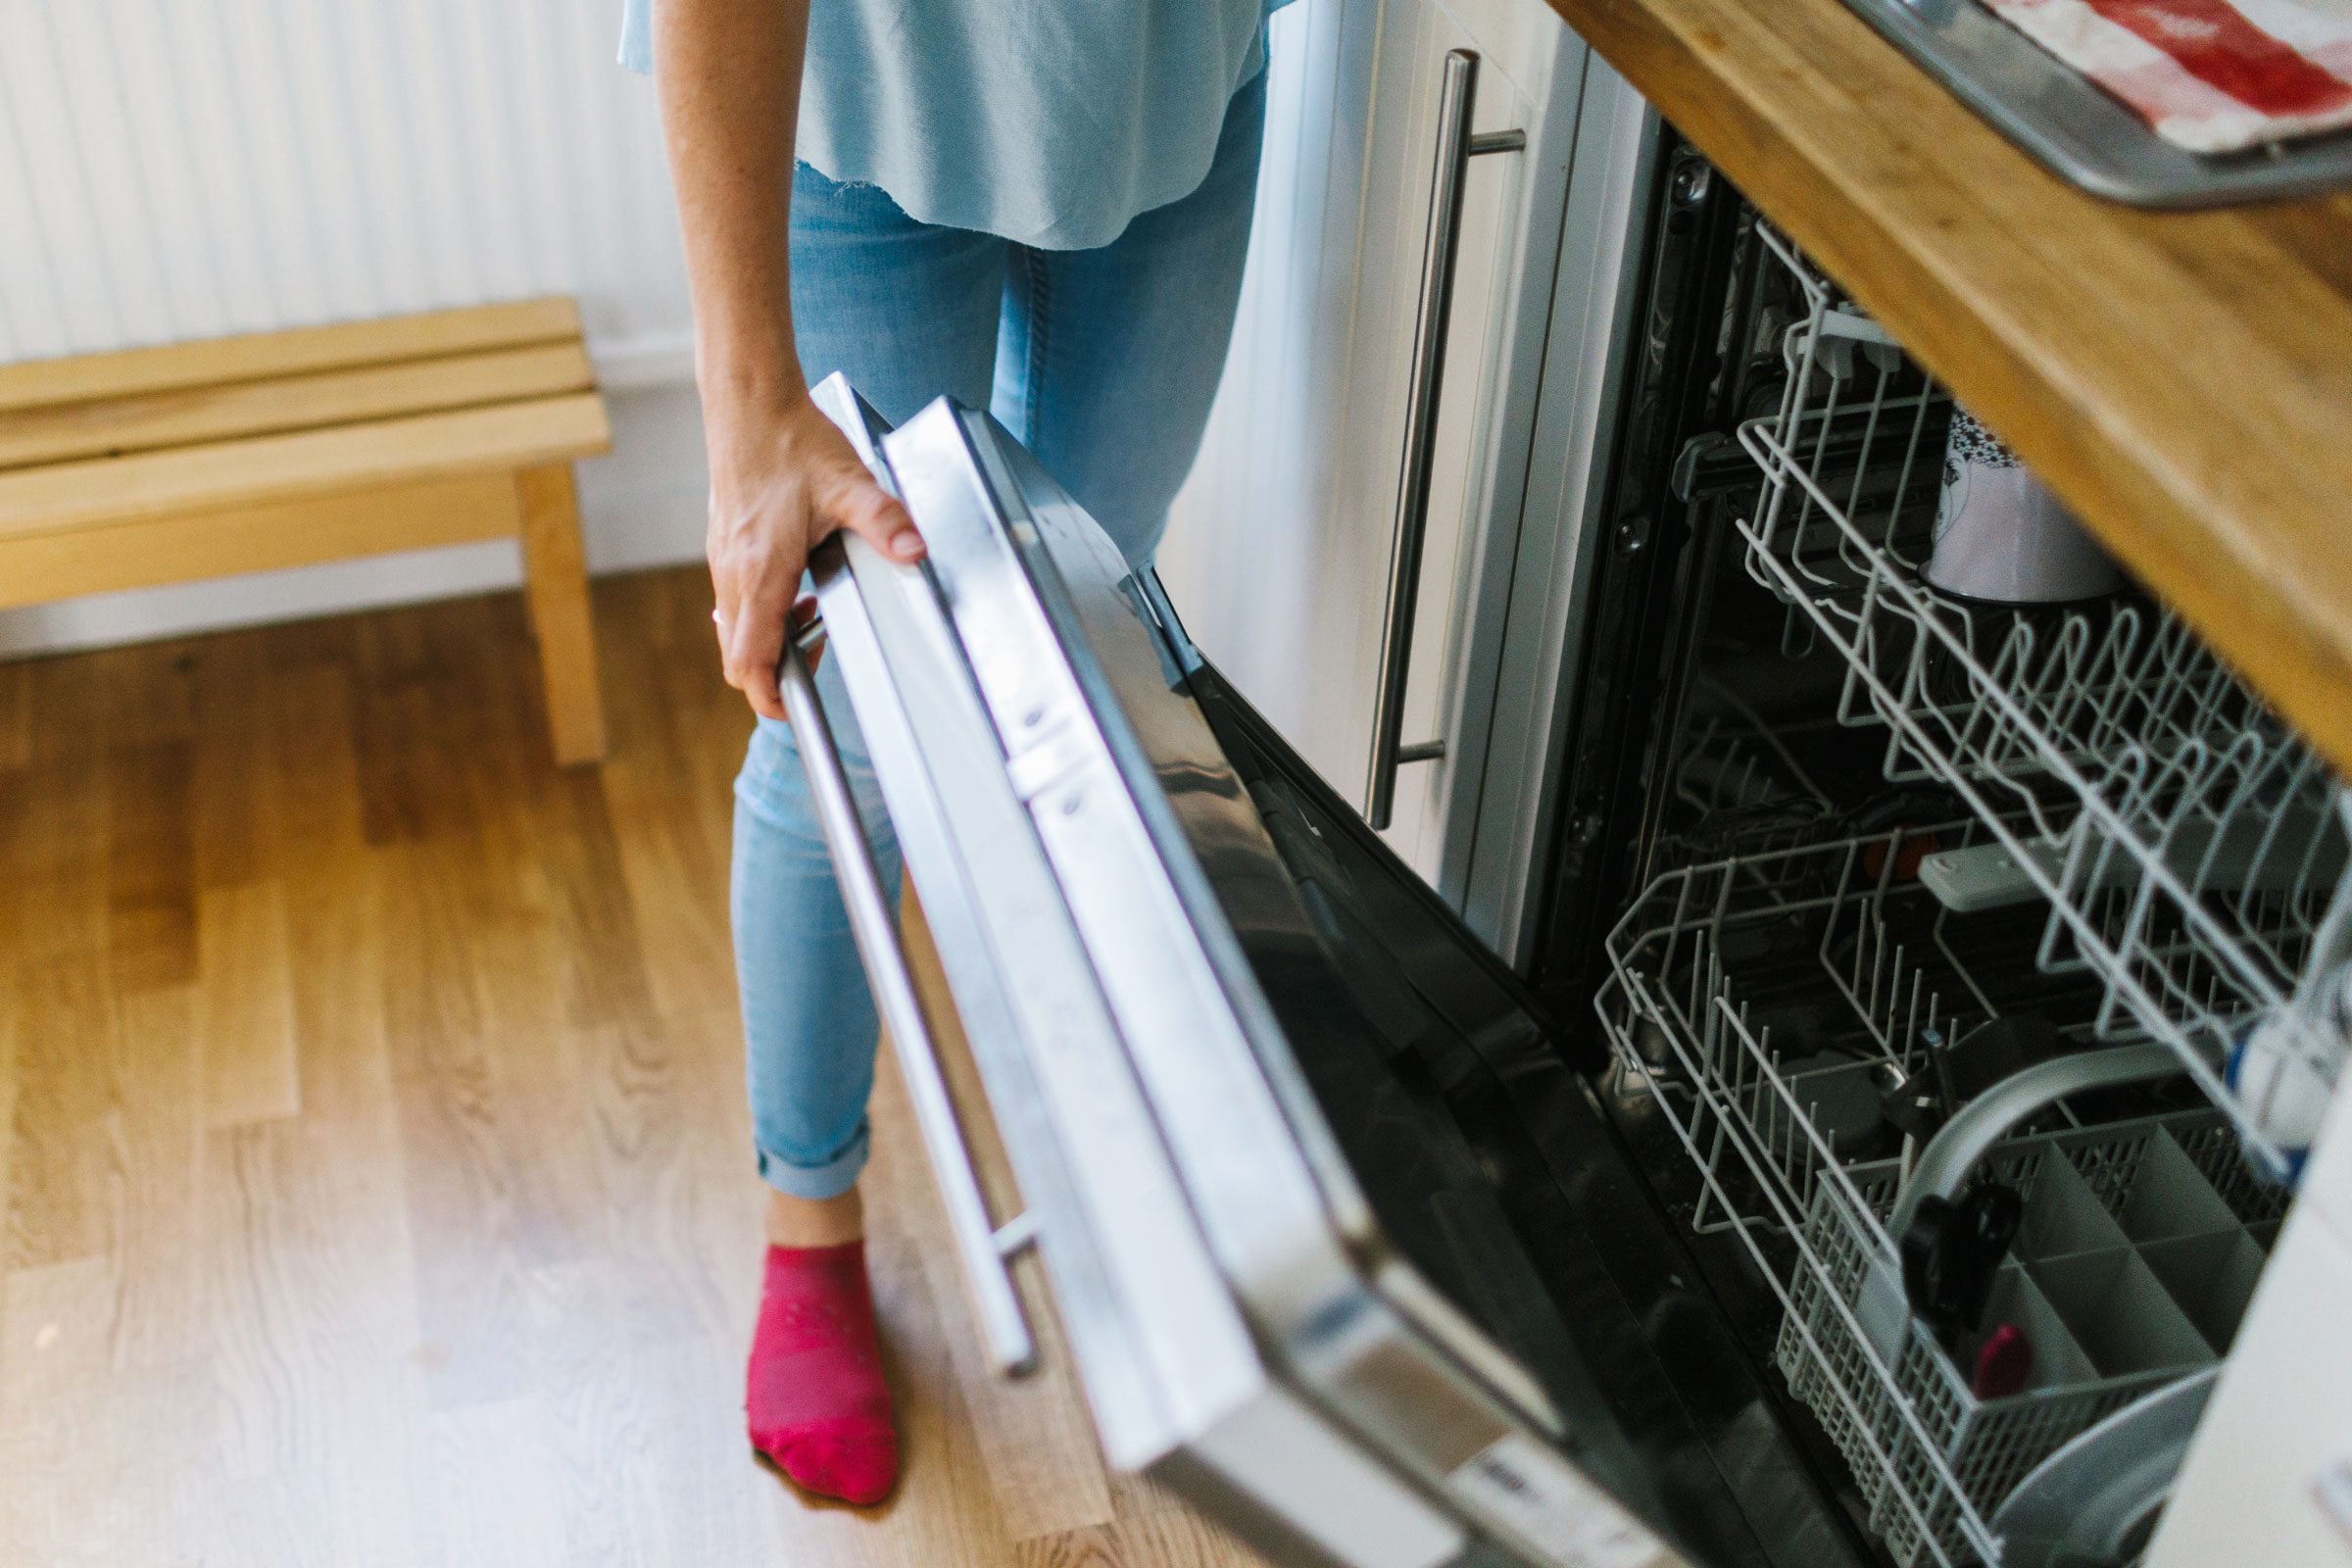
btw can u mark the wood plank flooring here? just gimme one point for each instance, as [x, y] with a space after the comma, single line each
[374, 1177]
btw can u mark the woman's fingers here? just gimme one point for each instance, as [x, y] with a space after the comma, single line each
[858, 505]
[756, 647]
[776, 492]
[767, 583]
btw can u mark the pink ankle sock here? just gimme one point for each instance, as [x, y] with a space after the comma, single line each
[816, 1399]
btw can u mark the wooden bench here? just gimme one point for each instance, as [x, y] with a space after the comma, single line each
[285, 448]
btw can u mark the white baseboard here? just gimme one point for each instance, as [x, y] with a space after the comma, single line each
[632, 363]
[640, 506]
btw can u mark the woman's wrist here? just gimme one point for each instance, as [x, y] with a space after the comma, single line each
[753, 376]
[752, 436]
[744, 419]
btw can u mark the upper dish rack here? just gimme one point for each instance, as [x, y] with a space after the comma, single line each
[2191, 849]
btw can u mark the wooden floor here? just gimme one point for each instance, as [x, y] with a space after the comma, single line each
[373, 1184]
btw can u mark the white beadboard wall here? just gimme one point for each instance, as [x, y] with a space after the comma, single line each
[184, 169]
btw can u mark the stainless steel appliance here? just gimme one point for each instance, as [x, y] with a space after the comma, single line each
[1645, 1250]
[1224, 1029]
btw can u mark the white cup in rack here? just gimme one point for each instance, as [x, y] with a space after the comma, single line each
[2003, 537]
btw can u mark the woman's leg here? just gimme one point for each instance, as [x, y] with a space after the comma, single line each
[1108, 359]
[907, 312]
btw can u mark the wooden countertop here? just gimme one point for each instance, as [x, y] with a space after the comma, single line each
[2183, 380]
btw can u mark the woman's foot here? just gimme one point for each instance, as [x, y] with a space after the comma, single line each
[814, 1398]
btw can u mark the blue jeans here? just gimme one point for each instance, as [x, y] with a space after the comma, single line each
[1103, 363]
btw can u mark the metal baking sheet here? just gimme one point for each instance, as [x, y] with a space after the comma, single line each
[2079, 133]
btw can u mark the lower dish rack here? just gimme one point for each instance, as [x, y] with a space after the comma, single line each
[1764, 1001]
[2191, 850]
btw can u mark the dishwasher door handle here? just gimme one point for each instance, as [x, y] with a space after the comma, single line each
[983, 1249]
[1457, 97]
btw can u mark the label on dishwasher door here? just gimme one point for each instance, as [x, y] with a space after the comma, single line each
[1554, 1509]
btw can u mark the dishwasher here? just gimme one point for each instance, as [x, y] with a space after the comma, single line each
[1933, 1009]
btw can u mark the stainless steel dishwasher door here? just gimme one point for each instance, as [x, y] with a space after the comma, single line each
[1087, 858]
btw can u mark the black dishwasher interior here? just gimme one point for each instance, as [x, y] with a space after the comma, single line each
[1839, 854]
[1493, 1170]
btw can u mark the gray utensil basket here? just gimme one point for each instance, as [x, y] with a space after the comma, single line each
[2135, 1262]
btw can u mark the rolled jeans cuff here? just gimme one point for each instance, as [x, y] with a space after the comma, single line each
[830, 1179]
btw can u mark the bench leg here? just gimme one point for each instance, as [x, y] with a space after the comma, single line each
[555, 569]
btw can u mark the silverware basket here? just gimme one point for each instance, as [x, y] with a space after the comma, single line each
[2132, 1268]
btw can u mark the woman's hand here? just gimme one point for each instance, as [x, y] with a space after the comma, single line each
[782, 479]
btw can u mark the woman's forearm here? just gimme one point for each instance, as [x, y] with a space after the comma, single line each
[729, 76]
[782, 478]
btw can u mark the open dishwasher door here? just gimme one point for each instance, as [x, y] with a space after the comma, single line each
[1286, 1280]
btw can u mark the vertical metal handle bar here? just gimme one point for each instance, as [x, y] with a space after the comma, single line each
[983, 1250]
[1457, 97]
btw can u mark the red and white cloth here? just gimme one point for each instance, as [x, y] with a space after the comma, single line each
[2211, 75]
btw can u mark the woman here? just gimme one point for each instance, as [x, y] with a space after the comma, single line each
[1040, 206]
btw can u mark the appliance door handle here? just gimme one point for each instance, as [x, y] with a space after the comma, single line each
[985, 1249]
[1457, 97]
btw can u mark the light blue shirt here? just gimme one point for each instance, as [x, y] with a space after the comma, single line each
[1052, 122]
